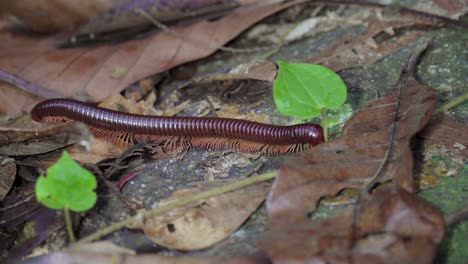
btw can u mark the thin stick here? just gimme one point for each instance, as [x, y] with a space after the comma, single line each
[178, 203]
[452, 103]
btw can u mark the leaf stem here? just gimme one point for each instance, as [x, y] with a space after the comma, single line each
[324, 124]
[452, 103]
[179, 202]
[69, 225]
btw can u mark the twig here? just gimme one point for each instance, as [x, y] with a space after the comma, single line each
[452, 103]
[178, 203]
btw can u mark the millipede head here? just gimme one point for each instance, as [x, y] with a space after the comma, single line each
[310, 133]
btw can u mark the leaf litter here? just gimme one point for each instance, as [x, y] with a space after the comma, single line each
[87, 72]
[419, 212]
[375, 148]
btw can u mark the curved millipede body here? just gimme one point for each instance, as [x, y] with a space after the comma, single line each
[205, 132]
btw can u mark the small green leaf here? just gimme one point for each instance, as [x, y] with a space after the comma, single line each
[303, 90]
[67, 185]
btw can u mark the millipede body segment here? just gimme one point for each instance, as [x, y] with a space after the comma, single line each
[208, 132]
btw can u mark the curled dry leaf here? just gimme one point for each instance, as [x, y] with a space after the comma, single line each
[7, 176]
[394, 226]
[204, 223]
[255, 70]
[374, 148]
[87, 72]
[21, 141]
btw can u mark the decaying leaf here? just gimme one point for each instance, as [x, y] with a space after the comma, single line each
[444, 130]
[255, 70]
[352, 51]
[378, 134]
[7, 176]
[206, 222]
[52, 16]
[394, 226]
[123, 15]
[106, 252]
[33, 138]
[18, 206]
[450, 5]
[87, 72]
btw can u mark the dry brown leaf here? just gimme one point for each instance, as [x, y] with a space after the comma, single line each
[124, 15]
[40, 143]
[450, 5]
[87, 72]
[444, 130]
[52, 16]
[352, 51]
[106, 252]
[374, 147]
[394, 226]
[206, 222]
[18, 207]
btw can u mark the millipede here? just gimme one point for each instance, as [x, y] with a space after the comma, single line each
[199, 132]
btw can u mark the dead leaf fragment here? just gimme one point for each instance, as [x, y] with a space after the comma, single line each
[444, 130]
[255, 70]
[7, 176]
[203, 224]
[352, 51]
[52, 16]
[123, 14]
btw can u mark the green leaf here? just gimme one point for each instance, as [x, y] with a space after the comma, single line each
[303, 90]
[67, 185]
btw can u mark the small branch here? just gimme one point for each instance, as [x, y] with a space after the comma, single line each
[69, 225]
[452, 103]
[178, 203]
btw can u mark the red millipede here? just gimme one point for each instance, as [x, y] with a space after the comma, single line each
[205, 132]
